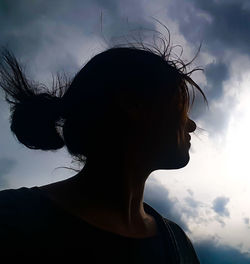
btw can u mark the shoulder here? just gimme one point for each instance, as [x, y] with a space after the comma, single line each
[16, 207]
[11, 201]
[178, 232]
[14, 198]
[10, 214]
[20, 220]
[184, 244]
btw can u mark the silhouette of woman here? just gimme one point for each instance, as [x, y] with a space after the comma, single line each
[126, 110]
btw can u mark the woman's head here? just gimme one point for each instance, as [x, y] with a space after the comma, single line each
[121, 95]
[113, 86]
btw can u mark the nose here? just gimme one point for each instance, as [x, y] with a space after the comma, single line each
[190, 126]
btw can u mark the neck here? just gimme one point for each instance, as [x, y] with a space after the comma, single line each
[107, 196]
[117, 191]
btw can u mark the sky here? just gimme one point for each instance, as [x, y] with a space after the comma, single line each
[209, 197]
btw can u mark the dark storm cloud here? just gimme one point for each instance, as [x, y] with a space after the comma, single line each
[170, 207]
[49, 32]
[157, 196]
[6, 166]
[30, 27]
[219, 206]
[223, 26]
[216, 73]
[229, 27]
[210, 252]
[216, 120]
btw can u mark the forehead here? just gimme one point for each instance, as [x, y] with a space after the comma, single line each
[167, 94]
[171, 106]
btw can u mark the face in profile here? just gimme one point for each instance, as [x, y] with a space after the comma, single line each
[167, 151]
[185, 144]
[174, 153]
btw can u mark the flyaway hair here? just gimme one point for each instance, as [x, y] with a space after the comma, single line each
[74, 111]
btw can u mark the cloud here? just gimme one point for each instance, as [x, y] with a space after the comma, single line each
[58, 36]
[157, 196]
[192, 211]
[6, 165]
[223, 26]
[213, 19]
[29, 27]
[192, 202]
[216, 119]
[219, 206]
[219, 220]
[233, 15]
[216, 73]
[247, 221]
[187, 212]
[190, 192]
[210, 252]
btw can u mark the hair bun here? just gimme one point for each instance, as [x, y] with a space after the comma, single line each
[44, 103]
[33, 121]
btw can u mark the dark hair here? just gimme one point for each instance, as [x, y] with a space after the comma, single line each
[48, 119]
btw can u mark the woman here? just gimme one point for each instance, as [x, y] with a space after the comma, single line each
[126, 111]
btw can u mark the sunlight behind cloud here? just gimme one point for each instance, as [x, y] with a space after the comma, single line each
[223, 171]
[238, 137]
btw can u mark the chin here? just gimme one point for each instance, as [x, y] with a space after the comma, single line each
[181, 160]
[177, 166]
[173, 164]
[182, 164]
[184, 161]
